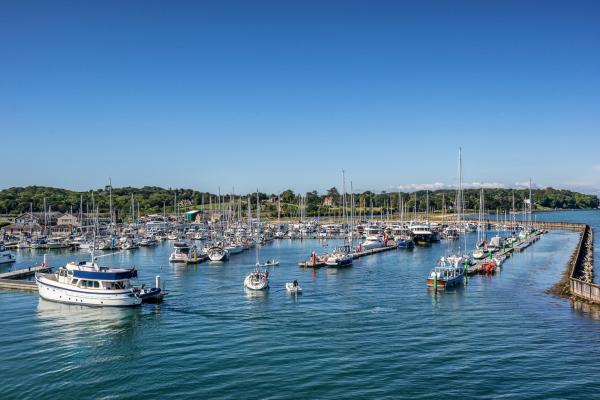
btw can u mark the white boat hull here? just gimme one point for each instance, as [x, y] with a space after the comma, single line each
[218, 255]
[55, 291]
[178, 258]
[234, 249]
[249, 283]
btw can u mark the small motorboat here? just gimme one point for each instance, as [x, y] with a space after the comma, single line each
[150, 295]
[293, 287]
[153, 295]
[271, 263]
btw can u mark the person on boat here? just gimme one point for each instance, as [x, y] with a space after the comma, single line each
[295, 283]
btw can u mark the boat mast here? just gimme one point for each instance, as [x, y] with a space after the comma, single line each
[530, 206]
[427, 206]
[351, 214]
[256, 237]
[345, 215]
[45, 217]
[461, 202]
[110, 201]
[401, 200]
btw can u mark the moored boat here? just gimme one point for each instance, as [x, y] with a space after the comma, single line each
[88, 283]
[6, 257]
[217, 253]
[181, 252]
[341, 257]
[446, 274]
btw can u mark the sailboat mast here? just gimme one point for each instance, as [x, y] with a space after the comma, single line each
[110, 200]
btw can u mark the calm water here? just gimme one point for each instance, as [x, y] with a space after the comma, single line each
[371, 331]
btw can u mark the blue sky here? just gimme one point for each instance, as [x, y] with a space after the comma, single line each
[285, 94]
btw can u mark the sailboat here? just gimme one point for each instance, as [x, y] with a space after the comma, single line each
[481, 247]
[257, 279]
[342, 255]
[450, 269]
[216, 252]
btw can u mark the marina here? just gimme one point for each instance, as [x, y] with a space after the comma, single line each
[370, 300]
[300, 200]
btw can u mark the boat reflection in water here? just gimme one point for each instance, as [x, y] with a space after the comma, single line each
[256, 295]
[76, 325]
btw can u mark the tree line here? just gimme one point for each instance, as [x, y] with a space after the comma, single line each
[156, 200]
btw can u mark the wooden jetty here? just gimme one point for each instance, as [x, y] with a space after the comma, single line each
[373, 251]
[355, 255]
[10, 279]
[201, 258]
[23, 273]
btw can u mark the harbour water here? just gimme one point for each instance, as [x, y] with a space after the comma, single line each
[370, 331]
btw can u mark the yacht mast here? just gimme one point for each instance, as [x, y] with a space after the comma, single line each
[110, 200]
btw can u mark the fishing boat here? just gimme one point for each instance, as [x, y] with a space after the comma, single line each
[341, 257]
[271, 263]
[5, 256]
[293, 287]
[447, 273]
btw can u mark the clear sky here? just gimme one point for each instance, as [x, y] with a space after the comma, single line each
[285, 94]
